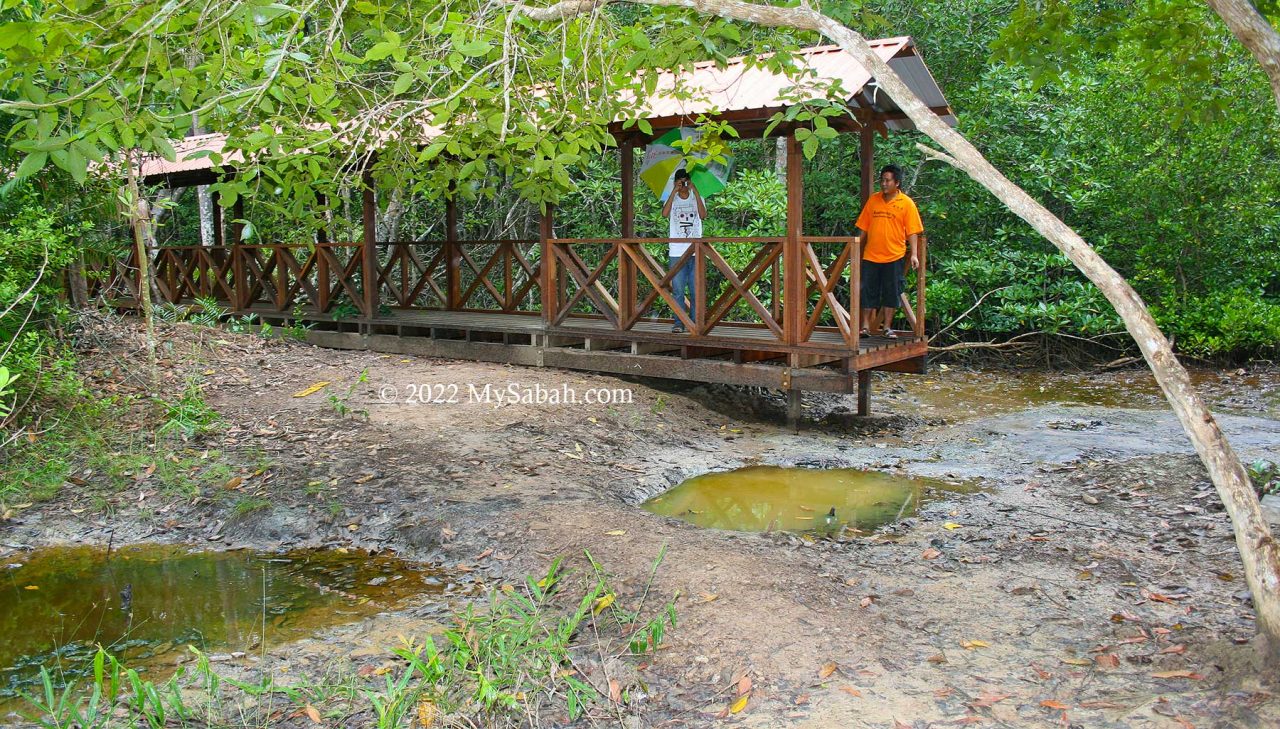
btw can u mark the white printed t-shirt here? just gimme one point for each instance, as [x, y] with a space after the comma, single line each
[684, 223]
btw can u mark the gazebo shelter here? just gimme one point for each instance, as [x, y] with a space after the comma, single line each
[781, 316]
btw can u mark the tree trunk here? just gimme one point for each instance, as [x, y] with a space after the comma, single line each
[205, 200]
[1256, 34]
[79, 287]
[389, 222]
[139, 212]
[1258, 550]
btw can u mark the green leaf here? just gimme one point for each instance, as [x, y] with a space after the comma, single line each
[31, 164]
[403, 82]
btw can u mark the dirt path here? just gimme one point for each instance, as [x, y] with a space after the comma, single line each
[1094, 582]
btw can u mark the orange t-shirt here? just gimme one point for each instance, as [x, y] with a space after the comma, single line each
[888, 224]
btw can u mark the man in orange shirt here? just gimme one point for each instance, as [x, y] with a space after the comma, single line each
[888, 224]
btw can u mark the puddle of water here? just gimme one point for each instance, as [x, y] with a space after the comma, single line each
[761, 498]
[959, 393]
[147, 603]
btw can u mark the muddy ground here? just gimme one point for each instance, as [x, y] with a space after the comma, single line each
[1092, 582]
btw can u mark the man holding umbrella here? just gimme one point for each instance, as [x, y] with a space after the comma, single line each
[684, 211]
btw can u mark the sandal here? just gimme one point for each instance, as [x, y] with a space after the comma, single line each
[890, 334]
[865, 332]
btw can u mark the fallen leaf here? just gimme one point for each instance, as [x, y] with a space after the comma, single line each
[1179, 648]
[1043, 674]
[428, 712]
[952, 525]
[827, 669]
[1078, 661]
[986, 700]
[1107, 660]
[802, 699]
[943, 692]
[937, 658]
[708, 596]
[366, 478]
[744, 685]
[851, 691]
[931, 553]
[615, 691]
[311, 390]
[616, 533]
[32, 587]
[740, 704]
[233, 483]
[1051, 704]
[312, 713]
[865, 602]
[483, 554]
[602, 603]
[1178, 674]
[971, 644]
[900, 724]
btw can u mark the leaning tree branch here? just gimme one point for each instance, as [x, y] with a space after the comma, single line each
[1255, 34]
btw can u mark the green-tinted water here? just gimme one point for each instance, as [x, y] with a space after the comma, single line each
[57, 604]
[763, 498]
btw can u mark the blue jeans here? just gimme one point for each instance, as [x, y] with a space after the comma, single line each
[681, 285]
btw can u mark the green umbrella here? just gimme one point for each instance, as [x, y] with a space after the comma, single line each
[663, 157]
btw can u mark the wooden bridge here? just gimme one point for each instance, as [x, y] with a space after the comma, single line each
[778, 312]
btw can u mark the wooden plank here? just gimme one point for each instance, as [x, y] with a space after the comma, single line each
[699, 370]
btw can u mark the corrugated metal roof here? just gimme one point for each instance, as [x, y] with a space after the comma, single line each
[704, 90]
[186, 159]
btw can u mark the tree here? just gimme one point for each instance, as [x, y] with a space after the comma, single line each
[306, 93]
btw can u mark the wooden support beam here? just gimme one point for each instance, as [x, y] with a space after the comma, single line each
[626, 266]
[864, 393]
[693, 352]
[794, 285]
[237, 265]
[369, 250]
[652, 348]
[550, 278]
[219, 235]
[795, 409]
[452, 254]
[866, 154]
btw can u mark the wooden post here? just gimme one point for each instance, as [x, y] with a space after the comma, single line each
[866, 161]
[864, 392]
[795, 409]
[452, 253]
[855, 293]
[699, 287]
[237, 250]
[219, 236]
[550, 292]
[626, 267]
[866, 154]
[322, 262]
[369, 244]
[793, 286]
[922, 252]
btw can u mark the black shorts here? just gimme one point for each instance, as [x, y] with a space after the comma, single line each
[882, 284]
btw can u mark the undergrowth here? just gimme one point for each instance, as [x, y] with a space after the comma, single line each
[534, 654]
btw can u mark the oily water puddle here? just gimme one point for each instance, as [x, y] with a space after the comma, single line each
[145, 604]
[773, 498]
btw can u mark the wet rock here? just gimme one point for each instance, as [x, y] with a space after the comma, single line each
[1271, 508]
